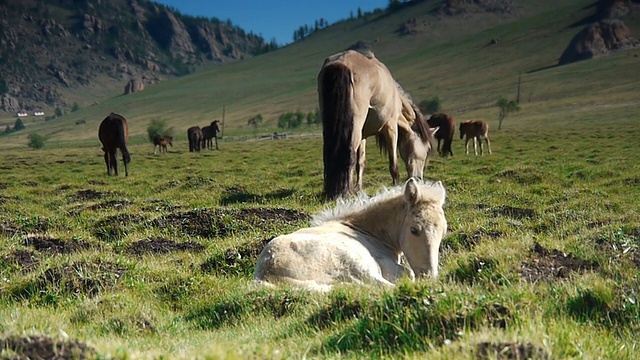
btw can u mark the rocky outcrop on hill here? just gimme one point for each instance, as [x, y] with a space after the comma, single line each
[133, 86]
[607, 34]
[53, 48]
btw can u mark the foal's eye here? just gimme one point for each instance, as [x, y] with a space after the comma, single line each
[415, 230]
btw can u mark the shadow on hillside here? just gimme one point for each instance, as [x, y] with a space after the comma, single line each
[542, 68]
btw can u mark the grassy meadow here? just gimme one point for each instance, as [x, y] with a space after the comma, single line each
[541, 256]
[541, 259]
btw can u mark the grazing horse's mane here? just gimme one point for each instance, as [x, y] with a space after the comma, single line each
[347, 206]
[413, 116]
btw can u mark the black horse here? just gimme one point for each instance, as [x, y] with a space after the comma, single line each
[447, 128]
[114, 134]
[194, 134]
[210, 133]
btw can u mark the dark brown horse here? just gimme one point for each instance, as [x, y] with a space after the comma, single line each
[194, 134]
[476, 130]
[114, 134]
[447, 126]
[210, 133]
[161, 141]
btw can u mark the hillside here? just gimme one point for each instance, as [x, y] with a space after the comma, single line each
[466, 54]
[54, 54]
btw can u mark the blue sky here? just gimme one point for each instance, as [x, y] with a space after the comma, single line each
[274, 19]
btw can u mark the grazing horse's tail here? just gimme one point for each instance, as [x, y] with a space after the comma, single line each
[122, 142]
[335, 93]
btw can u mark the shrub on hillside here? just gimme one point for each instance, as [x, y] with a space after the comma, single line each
[36, 141]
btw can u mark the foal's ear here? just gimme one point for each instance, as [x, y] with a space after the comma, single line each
[411, 191]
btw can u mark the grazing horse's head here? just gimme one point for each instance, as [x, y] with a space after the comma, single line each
[424, 226]
[414, 147]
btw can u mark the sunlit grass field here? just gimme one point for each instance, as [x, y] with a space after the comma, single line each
[541, 258]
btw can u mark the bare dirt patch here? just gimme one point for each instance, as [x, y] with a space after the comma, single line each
[548, 265]
[23, 259]
[161, 246]
[510, 351]
[55, 246]
[466, 241]
[113, 204]
[42, 347]
[85, 195]
[222, 222]
[235, 261]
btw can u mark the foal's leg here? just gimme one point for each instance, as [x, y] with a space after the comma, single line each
[466, 145]
[475, 145]
[216, 140]
[360, 162]
[486, 138]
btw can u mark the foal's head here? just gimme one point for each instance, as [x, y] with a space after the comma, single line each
[424, 226]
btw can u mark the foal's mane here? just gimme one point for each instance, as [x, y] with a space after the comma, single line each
[351, 205]
[362, 201]
[415, 119]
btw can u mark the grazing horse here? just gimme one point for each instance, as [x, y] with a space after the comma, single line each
[161, 142]
[359, 98]
[476, 130]
[362, 240]
[194, 134]
[114, 134]
[210, 132]
[447, 128]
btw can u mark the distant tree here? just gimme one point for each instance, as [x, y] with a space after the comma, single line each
[255, 122]
[59, 112]
[19, 125]
[311, 118]
[430, 106]
[158, 127]
[283, 120]
[505, 108]
[75, 107]
[36, 141]
[7, 130]
[359, 13]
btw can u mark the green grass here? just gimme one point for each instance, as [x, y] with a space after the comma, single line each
[568, 186]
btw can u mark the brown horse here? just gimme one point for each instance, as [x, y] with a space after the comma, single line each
[194, 134]
[447, 128]
[209, 133]
[359, 98]
[161, 142]
[114, 134]
[476, 130]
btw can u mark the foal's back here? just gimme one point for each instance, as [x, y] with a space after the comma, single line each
[474, 128]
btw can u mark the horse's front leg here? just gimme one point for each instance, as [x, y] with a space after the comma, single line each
[475, 146]
[114, 162]
[361, 159]
[392, 149]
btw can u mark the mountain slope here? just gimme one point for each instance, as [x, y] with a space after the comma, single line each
[57, 53]
[468, 60]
